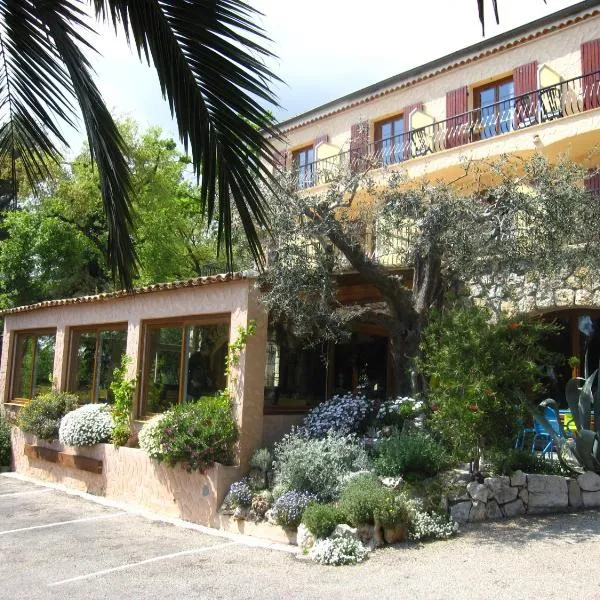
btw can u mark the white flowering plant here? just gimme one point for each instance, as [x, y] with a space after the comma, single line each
[395, 411]
[425, 525]
[87, 425]
[338, 551]
[149, 437]
[342, 414]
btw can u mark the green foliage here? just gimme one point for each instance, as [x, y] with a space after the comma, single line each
[197, 434]
[505, 463]
[121, 409]
[261, 463]
[5, 443]
[237, 346]
[322, 519]
[414, 455]
[362, 499]
[483, 375]
[392, 511]
[317, 466]
[41, 415]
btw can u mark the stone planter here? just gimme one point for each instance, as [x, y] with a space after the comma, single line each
[396, 534]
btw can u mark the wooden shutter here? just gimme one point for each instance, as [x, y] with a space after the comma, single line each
[525, 79]
[406, 138]
[457, 118]
[359, 145]
[590, 67]
[592, 182]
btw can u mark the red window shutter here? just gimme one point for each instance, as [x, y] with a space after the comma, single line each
[359, 145]
[457, 123]
[525, 79]
[590, 67]
[592, 181]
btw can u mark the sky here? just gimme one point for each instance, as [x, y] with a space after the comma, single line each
[325, 49]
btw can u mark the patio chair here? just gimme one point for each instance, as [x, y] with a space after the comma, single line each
[522, 435]
[541, 433]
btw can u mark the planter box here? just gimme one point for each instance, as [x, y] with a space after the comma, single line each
[127, 475]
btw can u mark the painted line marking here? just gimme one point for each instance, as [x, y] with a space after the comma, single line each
[28, 493]
[59, 523]
[141, 562]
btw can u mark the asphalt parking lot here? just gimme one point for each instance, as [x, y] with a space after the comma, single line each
[56, 545]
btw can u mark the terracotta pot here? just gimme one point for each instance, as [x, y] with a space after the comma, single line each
[393, 535]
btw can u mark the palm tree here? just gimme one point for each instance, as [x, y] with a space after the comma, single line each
[480, 7]
[208, 55]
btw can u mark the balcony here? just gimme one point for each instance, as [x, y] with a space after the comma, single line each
[543, 105]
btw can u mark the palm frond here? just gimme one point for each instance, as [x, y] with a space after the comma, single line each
[481, 9]
[209, 58]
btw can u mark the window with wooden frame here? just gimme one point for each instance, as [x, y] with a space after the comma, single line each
[494, 105]
[183, 360]
[95, 352]
[391, 143]
[304, 166]
[32, 364]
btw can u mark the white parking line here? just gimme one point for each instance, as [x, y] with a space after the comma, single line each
[29, 493]
[141, 562]
[59, 523]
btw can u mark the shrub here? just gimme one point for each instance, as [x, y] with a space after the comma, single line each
[413, 455]
[322, 519]
[122, 390]
[339, 551]
[239, 494]
[317, 465]
[149, 437]
[391, 511]
[426, 525]
[198, 434]
[88, 425]
[394, 412]
[261, 463]
[41, 416]
[361, 499]
[341, 414]
[261, 503]
[5, 445]
[505, 463]
[288, 508]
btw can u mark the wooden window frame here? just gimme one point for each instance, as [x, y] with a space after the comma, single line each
[296, 153]
[477, 103]
[74, 331]
[183, 322]
[378, 139]
[24, 332]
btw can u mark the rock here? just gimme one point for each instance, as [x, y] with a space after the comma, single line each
[345, 531]
[583, 297]
[240, 513]
[590, 499]
[589, 482]
[492, 510]
[518, 478]
[524, 495]
[270, 517]
[478, 512]
[460, 512]
[547, 492]
[500, 489]
[564, 297]
[514, 508]
[478, 491]
[305, 539]
[393, 483]
[395, 535]
[575, 499]
[378, 539]
[365, 533]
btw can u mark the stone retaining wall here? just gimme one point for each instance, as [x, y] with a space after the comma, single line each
[521, 494]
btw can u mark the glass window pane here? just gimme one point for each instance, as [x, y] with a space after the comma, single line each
[161, 384]
[111, 347]
[310, 155]
[23, 366]
[44, 364]
[487, 96]
[506, 90]
[206, 348]
[84, 374]
[386, 131]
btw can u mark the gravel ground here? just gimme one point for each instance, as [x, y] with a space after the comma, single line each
[92, 552]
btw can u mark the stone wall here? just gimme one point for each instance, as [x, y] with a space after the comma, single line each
[521, 494]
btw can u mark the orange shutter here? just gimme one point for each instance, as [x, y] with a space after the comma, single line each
[457, 118]
[590, 69]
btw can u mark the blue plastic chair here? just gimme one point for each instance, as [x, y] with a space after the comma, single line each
[521, 436]
[541, 433]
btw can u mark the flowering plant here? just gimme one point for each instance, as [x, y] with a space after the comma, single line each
[428, 526]
[339, 551]
[88, 425]
[397, 410]
[239, 494]
[341, 414]
[149, 437]
[288, 508]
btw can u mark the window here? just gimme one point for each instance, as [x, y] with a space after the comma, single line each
[95, 353]
[183, 361]
[304, 164]
[390, 141]
[495, 104]
[33, 364]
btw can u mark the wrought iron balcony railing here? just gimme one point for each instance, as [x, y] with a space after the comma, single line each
[538, 106]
